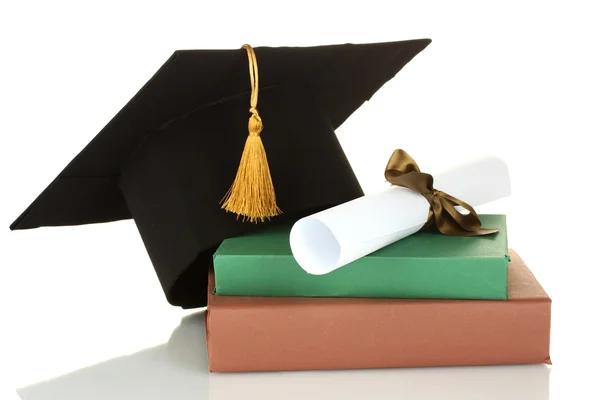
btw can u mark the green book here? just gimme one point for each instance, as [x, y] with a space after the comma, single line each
[423, 265]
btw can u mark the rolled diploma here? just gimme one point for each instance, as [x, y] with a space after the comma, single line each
[332, 238]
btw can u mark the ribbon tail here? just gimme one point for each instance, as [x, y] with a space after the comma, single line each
[458, 224]
[481, 232]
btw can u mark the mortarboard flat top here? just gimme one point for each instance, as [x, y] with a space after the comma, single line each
[168, 157]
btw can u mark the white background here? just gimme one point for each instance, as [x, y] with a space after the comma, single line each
[517, 79]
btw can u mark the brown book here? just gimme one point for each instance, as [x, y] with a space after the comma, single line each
[277, 334]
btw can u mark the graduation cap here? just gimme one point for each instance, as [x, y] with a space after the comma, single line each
[169, 157]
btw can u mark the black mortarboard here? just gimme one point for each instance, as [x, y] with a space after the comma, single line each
[170, 155]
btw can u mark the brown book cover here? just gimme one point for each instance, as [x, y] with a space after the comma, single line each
[278, 334]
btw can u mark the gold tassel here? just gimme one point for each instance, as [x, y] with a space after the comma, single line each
[252, 194]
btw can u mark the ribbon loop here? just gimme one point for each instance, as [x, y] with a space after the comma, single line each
[402, 170]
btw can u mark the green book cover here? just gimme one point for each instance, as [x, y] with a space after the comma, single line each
[423, 265]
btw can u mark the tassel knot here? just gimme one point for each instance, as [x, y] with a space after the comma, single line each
[255, 125]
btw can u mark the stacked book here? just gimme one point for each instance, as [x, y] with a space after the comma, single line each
[426, 300]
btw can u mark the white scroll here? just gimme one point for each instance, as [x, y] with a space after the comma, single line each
[332, 238]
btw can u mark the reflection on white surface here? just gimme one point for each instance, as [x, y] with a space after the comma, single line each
[528, 382]
[174, 370]
[178, 370]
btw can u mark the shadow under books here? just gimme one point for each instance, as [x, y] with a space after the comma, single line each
[178, 369]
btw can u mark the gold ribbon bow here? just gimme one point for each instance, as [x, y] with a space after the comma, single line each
[402, 170]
